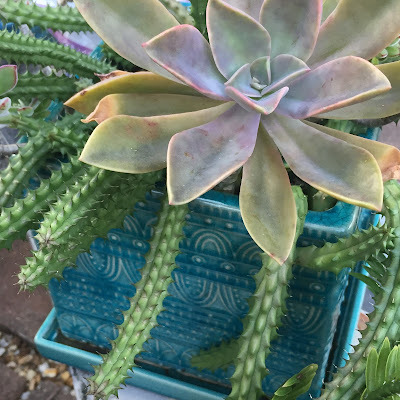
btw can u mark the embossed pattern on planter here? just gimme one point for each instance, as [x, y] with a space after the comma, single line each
[208, 297]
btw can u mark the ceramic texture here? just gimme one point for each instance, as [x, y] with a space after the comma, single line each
[208, 297]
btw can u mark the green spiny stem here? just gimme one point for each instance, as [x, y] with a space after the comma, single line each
[21, 168]
[145, 306]
[297, 384]
[96, 203]
[385, 391]
[179, 11]
[349, 381]
[18, 48]
[266, 308]
[26, 213]
[43, 87]
[114, 58]
[223, 355]
[347, 251]
[57, 18]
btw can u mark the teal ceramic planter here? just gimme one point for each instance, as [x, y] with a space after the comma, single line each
[208, 297]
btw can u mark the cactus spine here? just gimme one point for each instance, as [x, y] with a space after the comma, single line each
[64, 19]
[18, 48]
[145, 306]
[349, 382]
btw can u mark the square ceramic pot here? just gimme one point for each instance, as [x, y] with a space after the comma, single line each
[209, 293]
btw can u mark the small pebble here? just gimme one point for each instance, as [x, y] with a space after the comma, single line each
[13, 347]
[30, 374]
[49, 373]
[12, 364]
[43, 367]
[2, 351]
[65, 376]
[25, 359]
[25, 395]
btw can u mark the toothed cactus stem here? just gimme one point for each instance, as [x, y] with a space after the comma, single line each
[347, 252]
[387, 390]
[179, 11]
[198, 13]
[349, 382]
[96, 203]
[145, 306]
[24, 49]
[21, 168]
[26, 213]
[265, 311]
[66, 19]
[44, 87]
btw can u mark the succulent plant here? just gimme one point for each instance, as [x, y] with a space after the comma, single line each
[243, 99]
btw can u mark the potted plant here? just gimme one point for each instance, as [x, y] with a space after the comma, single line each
[154, 121]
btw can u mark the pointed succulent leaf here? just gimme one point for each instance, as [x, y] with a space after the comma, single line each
[387, 157]
[124, 26]
[139, 82]
[343, 171]
[265, 105]
[148, 105]
[138, 145]
[327, 9]
[201, 157]
[266, 200]
[333, 85]
[358, 28]
[382, 361]
[8, 78]
[112, 74]
[370, 371]
[249, 7]
[285, 68]
[381, 106]
[241, 80]
[233, 47]
[193, 64]
[293, 27]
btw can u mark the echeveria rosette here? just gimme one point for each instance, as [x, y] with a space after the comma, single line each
[242, 100]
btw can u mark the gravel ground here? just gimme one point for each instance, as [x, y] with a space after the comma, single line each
[38, 373]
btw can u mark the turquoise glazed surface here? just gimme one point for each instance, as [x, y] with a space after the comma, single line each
[208, 297]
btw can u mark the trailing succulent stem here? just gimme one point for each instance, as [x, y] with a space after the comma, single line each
[297, 384]
[18, 48]
[26, 213]
[349, 382]
[145, 306]
[97, 202]
[66, 19]
[266, 308]
[360, 246]
[179, 11]
[44, 87]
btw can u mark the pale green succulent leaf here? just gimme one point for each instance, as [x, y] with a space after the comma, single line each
[293, 26]
[139, 82]
[261, 69]
[8, 78]
[235, 38]
[387, 157]
[284, 69]
[125, 25]
[266, 200]
[139, 144]
[382, 362]
[381, 106]
[199, 158]
[265, 105]
[358, 28]
[342, 170]
[370, 371]
[328, 7]
[193, 64]
[241, 80]
[249, 7]
[338, 83]
[148, 105]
